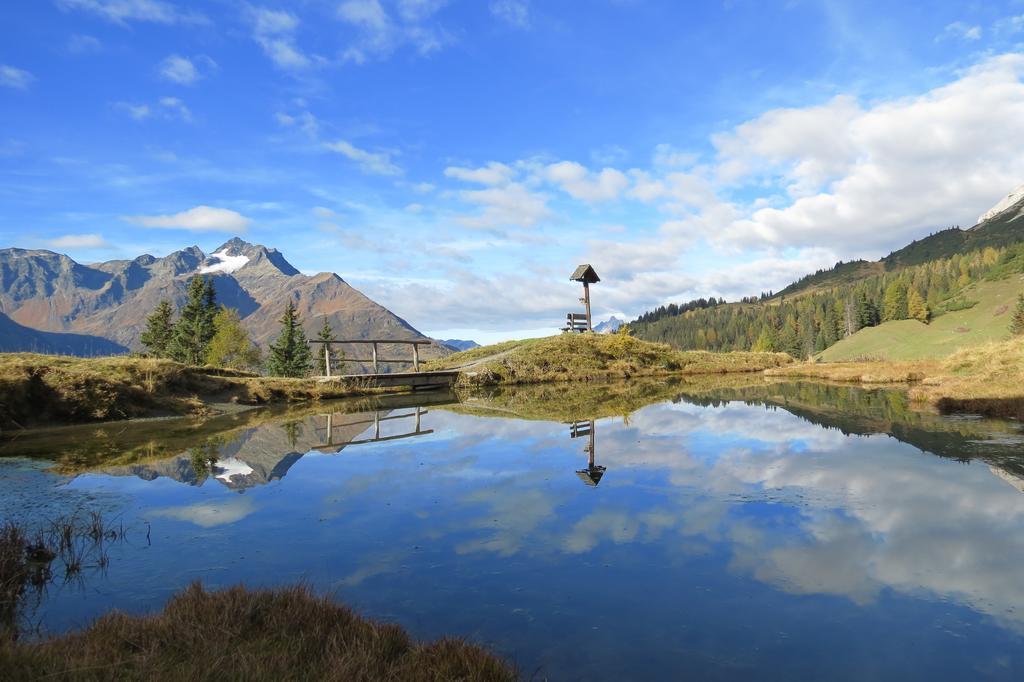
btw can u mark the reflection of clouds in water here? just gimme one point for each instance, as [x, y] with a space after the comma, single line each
[210, 514]
[871, 513]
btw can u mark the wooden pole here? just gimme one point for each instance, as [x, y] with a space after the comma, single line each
[415, 358]
[586, 301]
[327, 359]
[375, 371]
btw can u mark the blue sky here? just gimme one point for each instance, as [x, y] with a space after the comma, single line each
[456, 159]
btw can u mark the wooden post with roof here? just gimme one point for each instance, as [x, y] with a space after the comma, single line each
[585, 273]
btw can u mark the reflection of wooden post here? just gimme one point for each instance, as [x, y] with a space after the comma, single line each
[417, 418]
[327, 359]
[415, 359]
[375, 358]
[590, 460]
[376, 425]
[586, 301]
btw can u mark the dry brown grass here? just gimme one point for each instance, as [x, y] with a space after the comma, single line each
[590, 357]
[49, 389]
[239, 634]
[986, 379]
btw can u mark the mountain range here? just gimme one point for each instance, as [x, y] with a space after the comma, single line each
[100, 304]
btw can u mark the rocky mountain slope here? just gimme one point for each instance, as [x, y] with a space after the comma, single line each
[50, 292]
[15, 337]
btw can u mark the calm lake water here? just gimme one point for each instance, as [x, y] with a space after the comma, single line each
[790, 531]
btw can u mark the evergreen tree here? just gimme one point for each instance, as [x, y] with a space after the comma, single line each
[867, 312]
[289, 353]
[337, 355]
[230, 345]
[1017, 320]
[917, 309]
[195, 329]
[159, 331]
[894, 305]
[765, 342]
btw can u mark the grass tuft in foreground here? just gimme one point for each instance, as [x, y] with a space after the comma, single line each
[575, 357]
[280, 634]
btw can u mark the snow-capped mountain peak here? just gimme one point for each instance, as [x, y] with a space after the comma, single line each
[1006, 202]
[221, 261]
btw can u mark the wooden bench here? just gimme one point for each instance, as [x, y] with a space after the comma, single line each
[575, 323]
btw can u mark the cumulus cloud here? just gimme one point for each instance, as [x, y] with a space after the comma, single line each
[137, 111]
[175, 107]
[376, 163]
[870, 178]
[82, 44]
[197, 219]
[79, 241]
[584, 185]
[124, 11]
[513, 12]
[184, 70]
[274, 31]
[13, 77]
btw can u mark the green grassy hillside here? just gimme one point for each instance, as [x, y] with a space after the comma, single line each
[911, 340]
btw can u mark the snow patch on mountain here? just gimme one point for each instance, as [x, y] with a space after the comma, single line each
[1007, 201]
[223, 263]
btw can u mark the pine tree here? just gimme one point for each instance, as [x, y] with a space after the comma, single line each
[1017, 320]
[289, 353]
[917, 309]
[337, 355]
[159, 331]
[195, 329]
[230, 345]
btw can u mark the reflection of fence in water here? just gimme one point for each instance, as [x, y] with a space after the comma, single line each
[593, 473]
[376, 421]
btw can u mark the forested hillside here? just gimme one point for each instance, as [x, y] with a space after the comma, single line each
[835, 304]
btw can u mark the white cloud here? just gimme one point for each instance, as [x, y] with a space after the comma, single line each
[1009, 25]
[961, 31]
[581, 184]
[176, 107]
[493, 173]
[378, 34]
[136, 111]
[510, 205]
[79, 241]
[123, 11]
[304, 121]
[13, 77]
[377, 163]
[198, 219]
[864, 179]
[183, 70]
[514, 12]
[274, 31]
[82, 44]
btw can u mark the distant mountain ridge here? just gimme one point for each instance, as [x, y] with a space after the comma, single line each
[609, 326]
[50, 292]
[459, 344]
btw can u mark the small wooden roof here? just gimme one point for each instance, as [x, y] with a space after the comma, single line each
[591, 475]
[585, 273]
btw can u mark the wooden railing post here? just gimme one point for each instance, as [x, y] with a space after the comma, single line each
[327, 359]
[415, 358]
[375, 370]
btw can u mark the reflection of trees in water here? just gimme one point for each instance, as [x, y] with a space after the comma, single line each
[854, 410]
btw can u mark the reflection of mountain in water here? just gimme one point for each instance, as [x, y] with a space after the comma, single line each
[265, 453]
